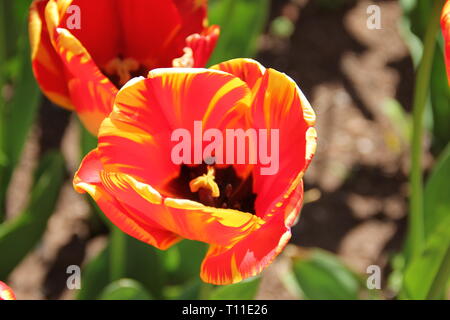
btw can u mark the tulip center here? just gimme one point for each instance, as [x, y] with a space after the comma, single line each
[120, 70]
[206, 186]
[214, 187]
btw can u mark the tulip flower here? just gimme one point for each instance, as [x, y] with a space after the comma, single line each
[6, 293]
[445, 26]
[83, 51]
[243, 214]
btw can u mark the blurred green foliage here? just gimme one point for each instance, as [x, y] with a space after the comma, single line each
[244, 290]
[241, 23]
[427, 276]
[427, 268]
[321, 275]
[416, 17]
[19, 95]
[21, 234]
[125, 289]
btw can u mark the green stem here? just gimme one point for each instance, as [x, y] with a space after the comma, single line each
[416, 218]
[117, 258]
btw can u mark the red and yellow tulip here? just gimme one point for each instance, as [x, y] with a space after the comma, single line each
[132, 178]
[81, 67]
[445, 26]
[6, 292]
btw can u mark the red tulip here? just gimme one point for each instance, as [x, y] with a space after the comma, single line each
[83, 51]
[243, 214]
[6, 292]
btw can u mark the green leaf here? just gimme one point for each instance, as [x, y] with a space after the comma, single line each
[144, 265]
[244, 290]
[95, 276]
[321, 275]
[427, 275]
[21, 111]
[440, 102]
[437, 200]
[182, 261]
[191, 290]
[141, 262]
[118, 248]
[20, 235]
[418, 13]
[125, 289]
[16, 115]
[241, 22]
[13, 22]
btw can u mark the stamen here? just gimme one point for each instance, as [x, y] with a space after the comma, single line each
[123, 68]
[186, 60]
[206, 181]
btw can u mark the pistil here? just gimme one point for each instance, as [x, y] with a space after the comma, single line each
[206, 187]
[123, 68]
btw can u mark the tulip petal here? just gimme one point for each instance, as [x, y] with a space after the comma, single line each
[189, 219]
[194, 37]
[87, 179]
[202, 45]
[248, 70]
[445, 26]
[6, 292]
[138, 134]
[99, 30]
[230, 264]
[279, 104]
[47, 67]
[193, 13]
[92, 93]
[148, 28]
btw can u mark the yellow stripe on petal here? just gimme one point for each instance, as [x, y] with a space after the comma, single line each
[233, 84]
[311, 144]
[236, 275]
[118, 128]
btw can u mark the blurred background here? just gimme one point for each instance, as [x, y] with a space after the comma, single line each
[360, 82]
